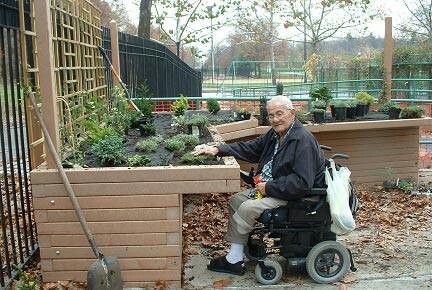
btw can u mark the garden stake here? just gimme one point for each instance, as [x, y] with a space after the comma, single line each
[105, 272]
[104, 55]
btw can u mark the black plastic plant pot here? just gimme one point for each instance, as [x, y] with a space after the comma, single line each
[394, 113]
[319, 117]
[332, 111]
[351, 113]
[246, 116]
[340, 113]
[361, 110]
[366, 109]
[263, 120]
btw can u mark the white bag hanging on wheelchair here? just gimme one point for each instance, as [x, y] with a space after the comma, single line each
[338, 193]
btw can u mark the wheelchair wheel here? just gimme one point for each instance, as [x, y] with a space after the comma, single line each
[327, 262]
[271, 275]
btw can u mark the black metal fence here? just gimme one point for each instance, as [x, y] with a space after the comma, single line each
[148, 63]
[18, 229]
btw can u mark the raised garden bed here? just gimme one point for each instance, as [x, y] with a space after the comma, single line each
[135, 214]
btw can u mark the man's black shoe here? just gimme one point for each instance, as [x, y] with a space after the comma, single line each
[221, 265]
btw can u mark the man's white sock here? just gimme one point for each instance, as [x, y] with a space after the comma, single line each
[235, 253]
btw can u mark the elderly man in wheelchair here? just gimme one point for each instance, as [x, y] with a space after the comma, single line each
[285, 212]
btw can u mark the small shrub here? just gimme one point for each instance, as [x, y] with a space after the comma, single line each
[412, 112]
[318, 111]
[319, 104]
[180, 106]
[121, 120]
[279, 88]
[302, 117]
[109, 151]
[148, 145]
[364, 98]
[145, 105]
[138, 160]
[148, 129]
[190, 159]
[388, 174]
[196, 120]
[213, 106]
[351, 103]
[26, 281]
[175, 145]
[340, 104]
[100, 133]
[385, 107]
[322, 93]
[188, 140]
[406, 186]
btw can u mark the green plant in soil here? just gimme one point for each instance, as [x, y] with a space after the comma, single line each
[412, 112]
[100, 133]
[109, 151]
[321, 93]
[189, 140]
[279, 88]
[406, 186]
[149, 129]
[213, 106]
[149, 144]
[180, 106]
[302, 117]
[138, 160]
[26, 281]
[319, 104]
[190, 159]
[385, 107]
[196, 120]
[175, 145]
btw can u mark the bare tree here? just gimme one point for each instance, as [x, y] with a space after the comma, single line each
[420, 22]
[145, 18]
[322, 19]
[115, 10]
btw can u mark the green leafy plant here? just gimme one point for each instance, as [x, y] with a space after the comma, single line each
[385, 107]
[180, 106]
[302, 117]
[388, 174]
[188, 140]
[213, 106]
[109, 151]
[26, 281]
[318, 111]
[190, 159]
[412, 112]
[100, 133]
[405, 185]
[351, 103]
[138, 160]
[279, 88]
[149, 144]
[145, 105]
[322, 93]
[364, 98]
[143, 90]
[148, 129]
[175, 145]
[196, 120]
[340, 104]
[319, 104]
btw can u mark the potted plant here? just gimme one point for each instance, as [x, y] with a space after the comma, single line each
[351, 108]
[322, 93]
[180, 106]
[319, 104]
[390, 108]
[242, 114]
[389, 181]
[411, 112]
[332, 102]
[340, 108]
[318, 115]
[365, 100]
[279, 88]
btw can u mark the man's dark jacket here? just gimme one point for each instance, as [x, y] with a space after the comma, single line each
[298, 165]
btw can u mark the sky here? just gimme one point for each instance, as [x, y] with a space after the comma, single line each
[393, 8]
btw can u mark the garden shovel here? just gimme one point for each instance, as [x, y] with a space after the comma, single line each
[105, 272]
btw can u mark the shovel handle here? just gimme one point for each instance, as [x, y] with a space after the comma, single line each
[65, 180]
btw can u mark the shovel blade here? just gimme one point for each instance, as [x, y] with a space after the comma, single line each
[104, 274]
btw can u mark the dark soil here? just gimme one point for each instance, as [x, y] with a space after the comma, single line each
[162, 156]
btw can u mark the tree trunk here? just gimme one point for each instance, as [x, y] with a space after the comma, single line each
[145, 19]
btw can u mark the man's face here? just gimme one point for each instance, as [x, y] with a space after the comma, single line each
[280, 117]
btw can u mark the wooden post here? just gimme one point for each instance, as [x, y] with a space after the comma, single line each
[47, 82]
[388, 59]
[115, 56]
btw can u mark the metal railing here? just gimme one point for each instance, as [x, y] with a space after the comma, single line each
[18, 229]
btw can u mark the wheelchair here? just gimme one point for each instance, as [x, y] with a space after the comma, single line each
[299, 232]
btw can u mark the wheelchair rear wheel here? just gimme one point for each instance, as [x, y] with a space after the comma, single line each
[271, 275]
[327, 262]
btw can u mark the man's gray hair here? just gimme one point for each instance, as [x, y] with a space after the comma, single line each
[284, 100]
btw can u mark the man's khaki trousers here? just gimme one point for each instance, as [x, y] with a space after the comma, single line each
[244, 211]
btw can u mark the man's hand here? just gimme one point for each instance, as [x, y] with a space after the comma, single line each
[261, 188]
[209, 150]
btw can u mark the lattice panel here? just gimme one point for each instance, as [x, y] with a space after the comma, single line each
[79, 68]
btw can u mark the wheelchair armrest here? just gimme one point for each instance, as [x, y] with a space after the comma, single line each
[317, 207]
[318, 191]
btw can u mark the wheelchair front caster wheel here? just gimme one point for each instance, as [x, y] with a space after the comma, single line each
[270, 274]
[327, 262]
